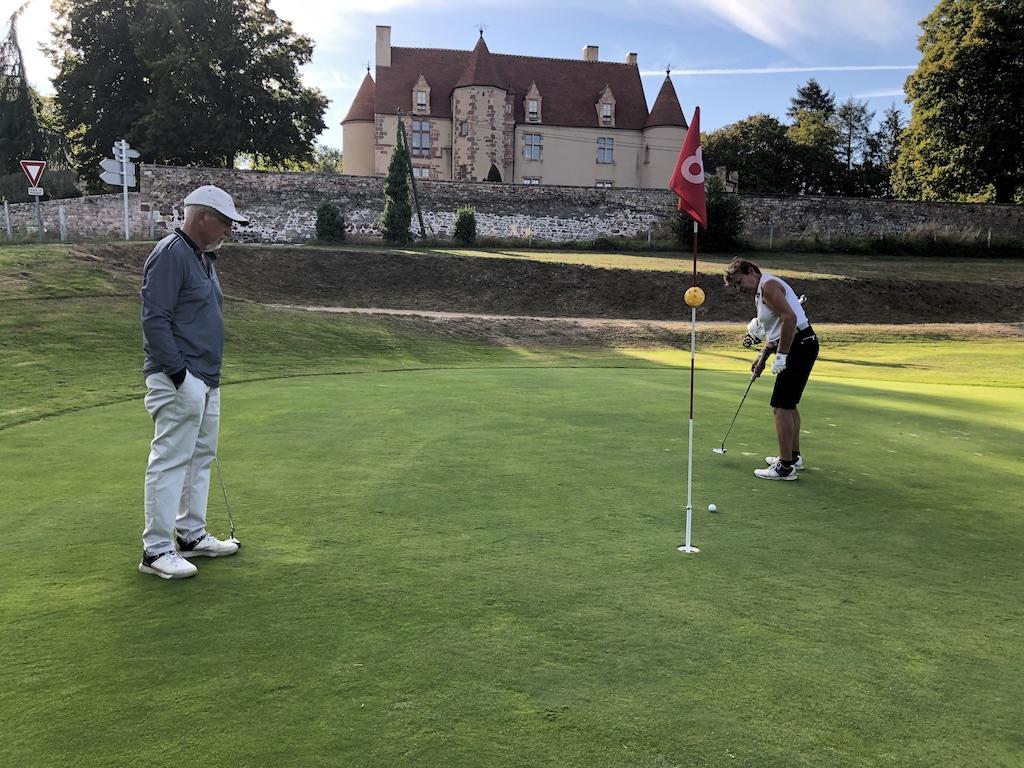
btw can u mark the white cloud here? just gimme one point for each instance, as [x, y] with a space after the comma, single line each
[884, 94]
[792, 24]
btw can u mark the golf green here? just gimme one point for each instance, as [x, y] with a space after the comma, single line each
[477, 567]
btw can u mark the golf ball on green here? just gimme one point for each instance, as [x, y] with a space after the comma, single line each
[712, 508]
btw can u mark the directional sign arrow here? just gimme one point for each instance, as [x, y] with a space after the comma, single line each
[116, 179]
[131, 152]
[114, 166]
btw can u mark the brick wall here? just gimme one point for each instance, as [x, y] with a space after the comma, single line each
[282, 207]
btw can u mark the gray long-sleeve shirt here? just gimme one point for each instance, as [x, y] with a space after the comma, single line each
[182, 322]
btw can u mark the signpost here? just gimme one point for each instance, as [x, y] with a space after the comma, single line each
[34, 170]
[121, 173]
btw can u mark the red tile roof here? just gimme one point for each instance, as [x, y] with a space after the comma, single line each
[362, 105]
[480, 69]
[569, 88]
[666, 110]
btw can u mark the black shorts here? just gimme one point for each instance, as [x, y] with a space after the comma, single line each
[789, 385]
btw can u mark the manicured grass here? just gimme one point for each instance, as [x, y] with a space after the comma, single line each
[463, 555]
[477, 567]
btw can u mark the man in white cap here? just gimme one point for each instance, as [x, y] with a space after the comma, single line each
[183, 337]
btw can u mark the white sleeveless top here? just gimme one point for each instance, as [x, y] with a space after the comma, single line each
[773, 323]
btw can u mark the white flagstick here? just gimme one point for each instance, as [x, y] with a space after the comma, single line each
[687, 548]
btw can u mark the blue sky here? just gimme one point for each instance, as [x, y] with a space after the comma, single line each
[734, 58]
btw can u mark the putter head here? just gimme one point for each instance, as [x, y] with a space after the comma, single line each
[718, 450]
[234, 540]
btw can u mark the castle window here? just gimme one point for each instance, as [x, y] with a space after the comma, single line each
[420, 173]
[421, 101]
[531, 146]
[532, 112]
[421, 138]
[606, 114]
[531, 180]
[463, 128]
[605, 150]
[604, 183]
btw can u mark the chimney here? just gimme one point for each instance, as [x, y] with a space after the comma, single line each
[631, 59]
[590, 53]
[383, 46]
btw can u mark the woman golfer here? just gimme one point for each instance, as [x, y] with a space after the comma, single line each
[790, 336]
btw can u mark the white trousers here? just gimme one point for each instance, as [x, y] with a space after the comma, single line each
[184, 445]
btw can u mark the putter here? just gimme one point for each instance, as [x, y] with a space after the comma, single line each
[722, 448]
[227, 505]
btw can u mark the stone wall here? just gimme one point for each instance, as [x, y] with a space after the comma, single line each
[86, 218]
[282, 208]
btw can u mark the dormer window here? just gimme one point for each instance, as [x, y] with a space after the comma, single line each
[606, 108]
[606, 114]
[533, 105]
[421, 97]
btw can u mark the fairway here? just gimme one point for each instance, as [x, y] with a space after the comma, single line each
[476, 567]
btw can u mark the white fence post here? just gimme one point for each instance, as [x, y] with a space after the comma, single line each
[62, 217]
[990, 237]
[7, 219]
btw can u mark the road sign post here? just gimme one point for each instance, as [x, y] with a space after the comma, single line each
[34, 170]
[121, 172]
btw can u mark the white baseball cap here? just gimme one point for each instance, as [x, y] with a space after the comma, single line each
[218, 199]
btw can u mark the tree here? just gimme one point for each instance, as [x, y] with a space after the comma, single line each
[812, 98]
[325, 160]
[397, 214]
[191, 82]
[760, 149]
[816, 137]
[853, 127]
[20, 133]
[966, 131]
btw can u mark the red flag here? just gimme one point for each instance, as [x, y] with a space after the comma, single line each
[688, 176]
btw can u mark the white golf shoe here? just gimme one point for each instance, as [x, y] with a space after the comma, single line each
[206, 546]
[770, 460]
[169, 565]
[776, 472]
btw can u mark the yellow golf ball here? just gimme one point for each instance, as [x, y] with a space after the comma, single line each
[694, 297]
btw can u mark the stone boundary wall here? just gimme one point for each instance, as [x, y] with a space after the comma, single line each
[99, 217]
[282, 208]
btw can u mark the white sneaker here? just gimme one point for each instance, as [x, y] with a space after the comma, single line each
[169, 565]
[769, 460]
[206, 546]
[776, 472]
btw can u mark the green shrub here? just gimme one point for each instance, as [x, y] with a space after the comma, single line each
[465, 225]
[330, 223]
[725, 220]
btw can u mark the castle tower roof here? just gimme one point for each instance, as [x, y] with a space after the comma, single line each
[362, 106]
[666, 110]
[480, 69]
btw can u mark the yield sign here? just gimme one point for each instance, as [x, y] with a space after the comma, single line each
[33, 170]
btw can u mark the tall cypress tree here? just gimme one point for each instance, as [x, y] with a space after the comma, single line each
[397, 214]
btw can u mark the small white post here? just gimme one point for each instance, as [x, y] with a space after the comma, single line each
[990, 237]
[7, 219]
[771, 236]
[124, 185]
[62, 218]
[648, 238]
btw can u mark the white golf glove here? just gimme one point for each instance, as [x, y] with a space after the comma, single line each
[779, 363]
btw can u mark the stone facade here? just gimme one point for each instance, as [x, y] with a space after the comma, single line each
[282, 208]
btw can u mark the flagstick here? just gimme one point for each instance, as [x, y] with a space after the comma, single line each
[687, 548]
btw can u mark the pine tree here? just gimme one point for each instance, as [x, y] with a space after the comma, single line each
[811, 97]
[397, 214]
